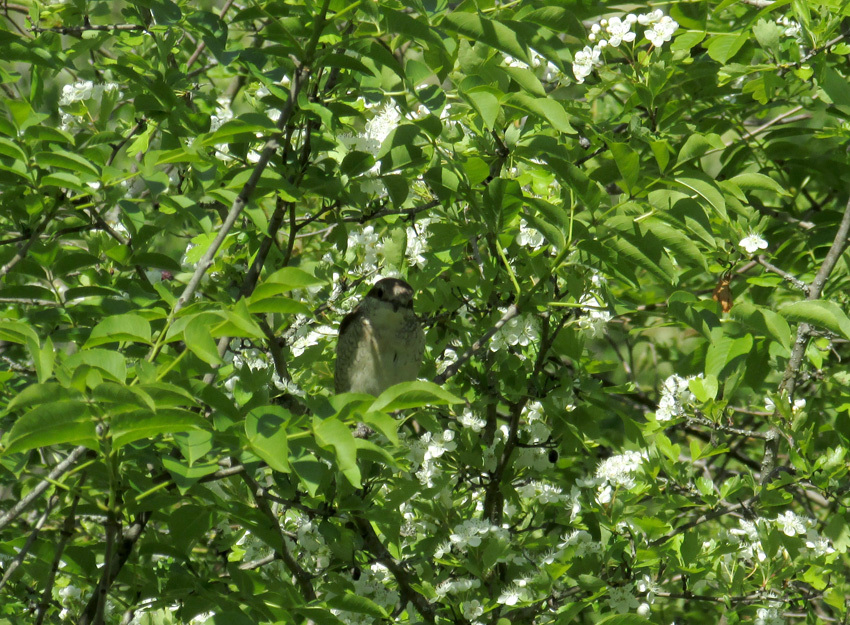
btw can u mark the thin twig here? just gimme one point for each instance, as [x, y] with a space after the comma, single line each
[24, 248]
[302, 577]
[19, 558]
[66, 533]
[244, 195]
[111, 569]
[36, 492]
[795, 362]
[799, 284]
[404, 578]
[452, 369]
[203, 45]
[76, 30]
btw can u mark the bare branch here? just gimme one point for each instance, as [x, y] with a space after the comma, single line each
[452, 369]
[36, 492]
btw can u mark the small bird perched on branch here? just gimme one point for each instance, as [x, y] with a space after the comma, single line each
[380, 342]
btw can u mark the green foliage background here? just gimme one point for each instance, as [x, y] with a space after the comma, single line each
[192, 195]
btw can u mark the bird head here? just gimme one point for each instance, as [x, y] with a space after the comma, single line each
[397, 293]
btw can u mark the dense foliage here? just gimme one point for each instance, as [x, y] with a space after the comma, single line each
[625, 225]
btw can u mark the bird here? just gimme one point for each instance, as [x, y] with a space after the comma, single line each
[380, 342]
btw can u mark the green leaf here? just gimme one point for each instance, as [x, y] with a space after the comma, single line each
[706, 188]
[723, 47]
[109, 362]
[357, 604]
[9, 148]
[265, 428]
[238, 130]
[820, 313]
[413, 395]
[128, 427]
[64, 180]
[777, 326]
[545, 108]
[697, 145]
[723, 349]
[493, 33]
[628, 163]
[334, 434]
[66, 160]
[118, 328]
[681, 245]
[486, 102]
[836, 87]
[63, 421]
[758, 182]
[43, 358]
[199, 340]
[17, 332]
[37, 394]
[293, 278]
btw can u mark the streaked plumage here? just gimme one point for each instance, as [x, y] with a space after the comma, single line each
[381, 342]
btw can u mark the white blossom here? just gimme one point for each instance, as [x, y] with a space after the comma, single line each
[817, 544]
[753, 243]
[521, 330]
[661, 31]
[650, 18]
[674, 397]
[470, 420]
[619, 31]
[621, 599]
[583, 543]
[791, 524]
[769, 616]
[584, 61]
[529, 237]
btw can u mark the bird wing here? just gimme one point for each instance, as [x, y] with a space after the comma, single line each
[350, 336]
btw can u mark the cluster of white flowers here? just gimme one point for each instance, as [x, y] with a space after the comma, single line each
[544, 68]
[512, 595]
[472, 608]
[595, 316]
[792, 28]
[85, 90]
[417, 243]
[648, 586]
[469, 533]
[368, 243]
[748, 539]
[375, 582]
[81, 91]
[752, 243]
[306, 337]
[791, 524]
[617, 472]
[529, 237]
[521, 330]
[796, 407]
[583, 543]
[370, 140]
[456, 586]
[469, 419]
[622, 599]
[612, 32]
[769, 616]
[675, 396]
[424, 450]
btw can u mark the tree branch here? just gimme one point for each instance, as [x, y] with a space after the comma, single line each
[36, 492]
[795, 362]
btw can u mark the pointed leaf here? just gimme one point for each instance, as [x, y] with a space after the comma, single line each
[64, 421]
[265, 428]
